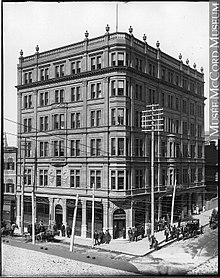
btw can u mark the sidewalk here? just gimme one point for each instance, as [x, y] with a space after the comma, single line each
[123, 246]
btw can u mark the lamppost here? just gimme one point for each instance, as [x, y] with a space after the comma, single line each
[152, 121]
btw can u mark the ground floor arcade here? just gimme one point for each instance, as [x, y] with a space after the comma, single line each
[112, 214]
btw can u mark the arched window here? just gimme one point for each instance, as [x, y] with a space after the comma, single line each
[10, 165]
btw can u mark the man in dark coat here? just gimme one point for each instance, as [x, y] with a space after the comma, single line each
[96, 237]
[63, 230]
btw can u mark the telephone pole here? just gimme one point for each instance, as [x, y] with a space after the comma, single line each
[22, 190]
[152, 121]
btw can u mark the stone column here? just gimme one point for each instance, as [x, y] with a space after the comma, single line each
[84, 226]
[51, 213]
[110, 227]
[105, 214]
[18, 210]
[64, 212]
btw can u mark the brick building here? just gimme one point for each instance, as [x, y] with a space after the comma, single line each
[10, 182]
[80, 107]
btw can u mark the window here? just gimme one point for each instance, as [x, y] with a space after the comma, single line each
[95, 147]
[177, 104]
[27, 177]
[95, 118]
[99, 62]
[44, 74]
[27, 101]
[99, 90]
[178, 150]
[59, 71]
[177, 126]
[170, 101]
[120, 59]
[200, 151]
[121, 180]
[139, 182]
[200, 178]
[58, 147]
[138, 147]
[121, 146]
[28, 77]
[43, 177]
[27, 125]
[120, 88]
[10, 164]
[58, 121]
[74, 178]
[75, 120]
[59, 96]
[162, 99]
[44, 99]
[95, 179]
[185, 150]
[192, 109]
[192, 151]
[163, 74]
[185, 128]
[44, 149]
[113, 59]
[170, 77]
[28, 149]
[163, 149]
[75, 147]
[113, 146]
[44, 123]
[192, 129]
[152, 96]
[58, 177]
[113, 180]
[185, 84]
[199, 131]
[177, 80]
[185, 176]
[120, 116]
[152, 70]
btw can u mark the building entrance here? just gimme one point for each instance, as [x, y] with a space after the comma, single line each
[58, 216]
[119, 223]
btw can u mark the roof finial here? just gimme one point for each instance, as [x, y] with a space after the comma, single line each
[158, 44]
[202, 69]
[194, 65]
[37, 48]
[180, 57]
[130, 30]
[21, 53]
[187, 61]
[86, 34]
[107, 28]
[144, 38]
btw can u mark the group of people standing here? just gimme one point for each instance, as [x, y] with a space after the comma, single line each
[134, 234]
[101, 237]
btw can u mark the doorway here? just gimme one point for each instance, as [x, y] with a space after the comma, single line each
[58, 216]
[119, 223]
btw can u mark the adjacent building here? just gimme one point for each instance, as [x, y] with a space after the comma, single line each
[79, 114]
[10, 182]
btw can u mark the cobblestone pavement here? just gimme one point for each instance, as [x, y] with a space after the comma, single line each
[22, 262]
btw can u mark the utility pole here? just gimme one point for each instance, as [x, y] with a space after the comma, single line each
[172, 207]
[33, 195]
[151, 122]
[22, 190]
[74, 224]
[93, 213]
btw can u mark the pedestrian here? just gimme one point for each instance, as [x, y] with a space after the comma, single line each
[178, 233]
[96, 238]
[63, 230]
[179, 221]
[142, 231]
[148, 232]
[107, 237]
[166, 233]
[68, 230]
[101, 237]
[124, 233]
[152, 241]
[130, 236]
[135, 234]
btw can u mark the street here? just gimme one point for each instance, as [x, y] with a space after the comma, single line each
[22, 259]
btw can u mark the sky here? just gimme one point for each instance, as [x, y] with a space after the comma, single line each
[180, 27]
